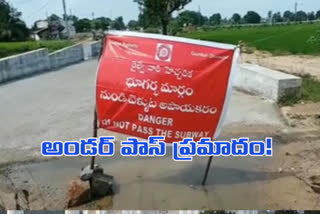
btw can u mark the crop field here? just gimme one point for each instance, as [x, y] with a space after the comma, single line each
[11, 48]
[279, 40]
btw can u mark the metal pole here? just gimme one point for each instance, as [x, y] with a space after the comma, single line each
[95, 133]
[65, 17]
[295, 11]
[207, 172]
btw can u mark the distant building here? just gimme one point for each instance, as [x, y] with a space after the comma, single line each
[57, 29]
[71, 28]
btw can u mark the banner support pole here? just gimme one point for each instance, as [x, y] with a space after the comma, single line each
[95, 134]
[92, 162]
[207, 171]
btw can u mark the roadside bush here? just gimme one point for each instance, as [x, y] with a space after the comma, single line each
[315, 40]
[152, 30]
[310, 91]
[12, 48]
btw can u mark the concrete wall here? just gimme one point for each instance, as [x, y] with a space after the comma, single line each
[32, 62]
[92, 49]
[66, 56]
[96, 48]
[24, 64]
[44, 212]
[269, 83]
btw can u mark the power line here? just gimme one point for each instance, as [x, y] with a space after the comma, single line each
[38, 10]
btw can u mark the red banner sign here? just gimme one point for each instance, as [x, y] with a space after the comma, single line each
[165, 86]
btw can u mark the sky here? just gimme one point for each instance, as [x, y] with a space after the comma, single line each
[33, 10]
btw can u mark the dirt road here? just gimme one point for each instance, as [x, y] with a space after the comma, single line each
[290, 64]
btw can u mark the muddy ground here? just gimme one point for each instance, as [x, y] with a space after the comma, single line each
[289, 180]
[301, 153]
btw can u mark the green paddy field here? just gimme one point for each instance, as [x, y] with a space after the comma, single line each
[279, 40]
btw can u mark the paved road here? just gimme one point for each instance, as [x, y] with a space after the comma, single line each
[55, 105]
[59, 105]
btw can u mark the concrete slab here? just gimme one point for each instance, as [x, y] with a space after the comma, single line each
[246, 109]
[269, 83]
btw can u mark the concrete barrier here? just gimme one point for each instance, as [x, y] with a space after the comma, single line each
[91, 49]
[25, 64]
[40, 60]
[269, 83]
[96, 48]
[66, 56]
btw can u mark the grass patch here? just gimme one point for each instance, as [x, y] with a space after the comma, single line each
[289, 100]
[310, 88]
[12, 48]
[310, 91]
[279, 40]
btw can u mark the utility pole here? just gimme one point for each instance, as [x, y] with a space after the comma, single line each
[270, 17]
[296, 8]
[66, 17]
[295, 11]
[199, 11]
[93, 22]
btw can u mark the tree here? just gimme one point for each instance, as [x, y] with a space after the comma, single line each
[215, 19]
[118, 24]
[318, 15]
[191, 17]
[286, 212]
[12, 28]
[236, 18]
[252, 17]
[102, 23]
[161, 10]
[72, 18]
[301, 16]
[53, 17]
[311, 16]
[311, 212]
[288, 16]
[133, 25]
[175, 26]
[217, 212]
[83, 25]
[277, 17]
